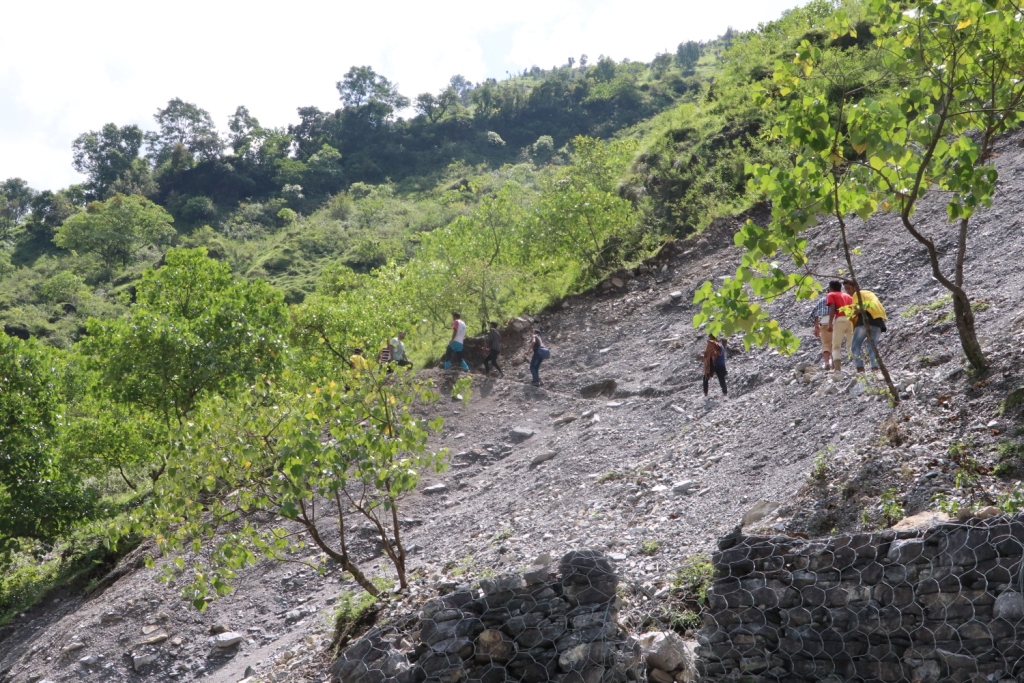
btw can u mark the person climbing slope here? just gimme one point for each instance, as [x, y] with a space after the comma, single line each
[456, 344]
[398, 350]
[839, 326]
[821, 331]
[867, 313]
[539, 354]
[493, 348]
[714, 364]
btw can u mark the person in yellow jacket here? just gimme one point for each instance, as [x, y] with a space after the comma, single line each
[867, 313]
[359, 361]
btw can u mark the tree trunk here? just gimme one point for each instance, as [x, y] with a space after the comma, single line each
[964, 317]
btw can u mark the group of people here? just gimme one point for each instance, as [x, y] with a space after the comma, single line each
[395, 351]
[846, 312]
[536, 351]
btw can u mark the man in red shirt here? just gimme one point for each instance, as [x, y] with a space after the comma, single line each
[838, 324]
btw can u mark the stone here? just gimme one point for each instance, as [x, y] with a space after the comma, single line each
[684, 487]
[72, 647]
[921, 520]
[536, 574]
[659, 676]
[542, 457]
[226, 639]
[605, 386]
[435, 489]
[493, 646]
[664, 650]
[759, 511]
[89, 660]
[149, 628]
[986, 512]
[928, 672]
[1009, 605]
[154, 639]
[520, 324]
[587, 577]
[141, 661]
[110, 618]
[565, 419]
[520, 434]
[219, 627]
[676, 295]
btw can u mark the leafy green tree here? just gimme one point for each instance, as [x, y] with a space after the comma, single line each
[15, 203]
[184, 126]
[115, 229]
[106, 156]
[864, 155]
[580, 210]
[688, 54]
[194, 331]
[41, 494]
[362, 85]
[51, 209]
[323, 457]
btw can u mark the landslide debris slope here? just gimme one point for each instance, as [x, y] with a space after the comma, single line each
[618, 451]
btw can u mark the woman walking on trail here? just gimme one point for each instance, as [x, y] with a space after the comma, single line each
[539, 354]
[714, 364]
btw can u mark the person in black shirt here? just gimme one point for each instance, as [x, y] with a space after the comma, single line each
[493, 348]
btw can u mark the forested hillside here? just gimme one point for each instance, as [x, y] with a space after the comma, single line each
[180, 329]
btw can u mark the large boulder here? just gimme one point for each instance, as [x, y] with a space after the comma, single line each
[664, 650]
[588, 577]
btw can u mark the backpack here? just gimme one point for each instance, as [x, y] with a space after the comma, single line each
[384, 356]
[544, 352]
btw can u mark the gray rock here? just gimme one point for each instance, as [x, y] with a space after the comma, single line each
[684, 487]
[664, 650]
[436, 488]
[519, 434]
[565, 419]
[1009, 605]
[759, 511]
[89, 660]
[676, 295]
[227, 639]
[543, 457]
[141, 661]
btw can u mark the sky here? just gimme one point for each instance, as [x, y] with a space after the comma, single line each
[67, 67]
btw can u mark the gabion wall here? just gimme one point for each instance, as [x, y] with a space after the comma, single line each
[535, 628]
[943, 604]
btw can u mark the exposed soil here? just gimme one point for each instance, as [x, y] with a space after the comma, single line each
[612, 478]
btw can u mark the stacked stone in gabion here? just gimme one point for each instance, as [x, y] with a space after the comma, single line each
[532, 628]
[943, 604]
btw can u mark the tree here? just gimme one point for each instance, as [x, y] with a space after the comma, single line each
[15, 203]
[106, 156]
[194, 330]
[426, 104]
[322, 456]
[115, 229]
[955, 63]
[41, 494]
[362, 85]
[186, 126]
[688, 54]
[51, 209]
[462, 86]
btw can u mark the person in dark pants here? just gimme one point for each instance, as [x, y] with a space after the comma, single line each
[714, 364]
[493, 348]
[536, 346]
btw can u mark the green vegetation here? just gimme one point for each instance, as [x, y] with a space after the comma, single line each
[892, 507]
[1010, 460]
[179, 329]
[353, 614]
[650, 546]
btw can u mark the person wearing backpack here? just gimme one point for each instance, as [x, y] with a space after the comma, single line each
[540, 353]
[714, 364]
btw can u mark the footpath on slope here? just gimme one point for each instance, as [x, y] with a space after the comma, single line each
[619, 452]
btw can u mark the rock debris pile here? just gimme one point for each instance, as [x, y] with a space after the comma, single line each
[531, 627]
[943, 604]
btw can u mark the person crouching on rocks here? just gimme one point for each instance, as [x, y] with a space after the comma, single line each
[714, 364]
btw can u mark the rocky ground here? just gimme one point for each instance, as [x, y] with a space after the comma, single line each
[619, 451]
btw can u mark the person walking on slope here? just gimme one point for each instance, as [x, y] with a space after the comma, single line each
[714, 364]
[821, 331]
[493, 348]
[398, 350]
[455, 345]
[839, 326]
[868, 314]
[540, 353]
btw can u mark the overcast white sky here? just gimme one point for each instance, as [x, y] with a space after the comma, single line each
[70, 66]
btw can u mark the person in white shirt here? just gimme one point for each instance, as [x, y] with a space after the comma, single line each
[455, 346]
[398, 350]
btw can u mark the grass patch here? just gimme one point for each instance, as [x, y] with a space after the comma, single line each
[650, 546]
[694, 578]
[1011, 460]
[354, 614]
